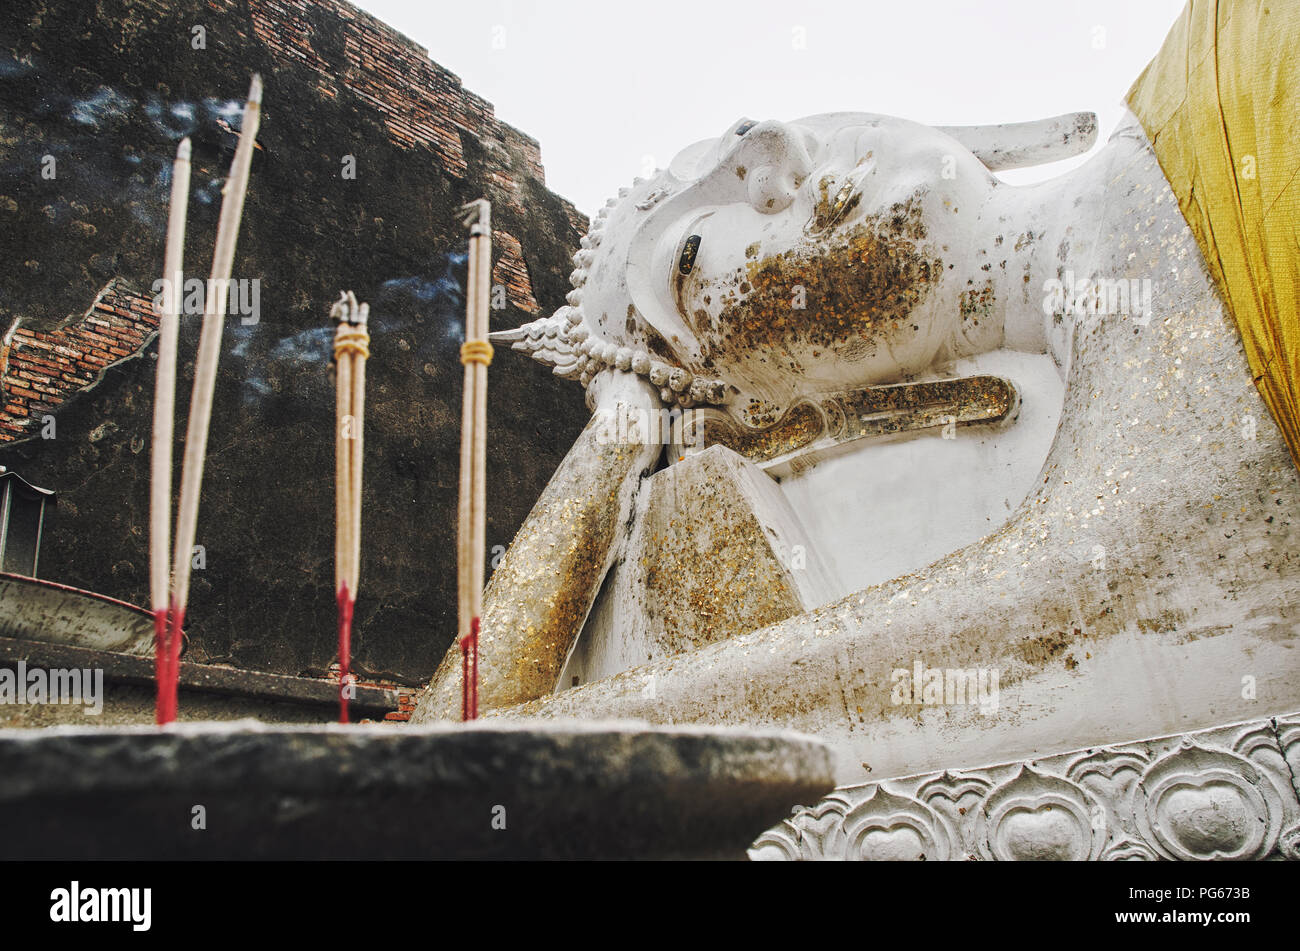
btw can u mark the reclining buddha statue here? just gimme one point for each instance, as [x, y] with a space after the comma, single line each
[955, 472]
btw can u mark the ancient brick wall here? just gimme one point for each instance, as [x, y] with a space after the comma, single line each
[420, 103]
[41, 370]
[420, 100]
[106, 90]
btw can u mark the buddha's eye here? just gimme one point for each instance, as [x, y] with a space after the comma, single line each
[745, 126]
[690, 249]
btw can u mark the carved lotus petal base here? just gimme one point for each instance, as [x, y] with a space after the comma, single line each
[1223, 793]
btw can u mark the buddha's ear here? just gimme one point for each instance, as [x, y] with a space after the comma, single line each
[1022, 144]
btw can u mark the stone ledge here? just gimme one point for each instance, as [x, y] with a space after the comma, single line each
[563, 790]
[230, 681]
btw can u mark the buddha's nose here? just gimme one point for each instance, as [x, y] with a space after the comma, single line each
[776, 161]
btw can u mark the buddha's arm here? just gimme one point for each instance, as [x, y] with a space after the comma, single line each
[539, 595]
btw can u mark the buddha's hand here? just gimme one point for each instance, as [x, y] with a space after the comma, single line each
[560, 555]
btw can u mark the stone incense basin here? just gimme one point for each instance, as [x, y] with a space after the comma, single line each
[35, 609]
[562, 790]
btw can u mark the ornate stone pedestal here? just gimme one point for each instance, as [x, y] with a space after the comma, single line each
[1224, 793]
[499, 790]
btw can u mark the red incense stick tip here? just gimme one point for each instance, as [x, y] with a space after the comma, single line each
[469, 672]
[173, 662]
[346, 605]
[160, 618]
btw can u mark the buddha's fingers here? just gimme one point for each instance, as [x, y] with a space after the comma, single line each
[559, 557]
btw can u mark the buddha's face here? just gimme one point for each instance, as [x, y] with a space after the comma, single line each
[792, 258]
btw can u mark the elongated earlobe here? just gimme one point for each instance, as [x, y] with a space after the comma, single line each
[1024, 144]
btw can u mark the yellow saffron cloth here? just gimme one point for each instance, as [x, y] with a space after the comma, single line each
[1221, 105]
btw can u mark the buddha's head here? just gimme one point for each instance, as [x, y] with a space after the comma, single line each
[783, 260]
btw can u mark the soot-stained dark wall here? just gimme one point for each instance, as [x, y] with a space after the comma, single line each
[107, 89]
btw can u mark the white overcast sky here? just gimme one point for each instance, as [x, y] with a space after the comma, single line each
[606, 86]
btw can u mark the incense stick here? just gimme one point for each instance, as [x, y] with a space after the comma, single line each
[351, 348]
[342, 458]
[466, 482]
[478, 513]
[361, 315]
[205, 376]
[475, 354]
[343, 506]
[164, 409]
